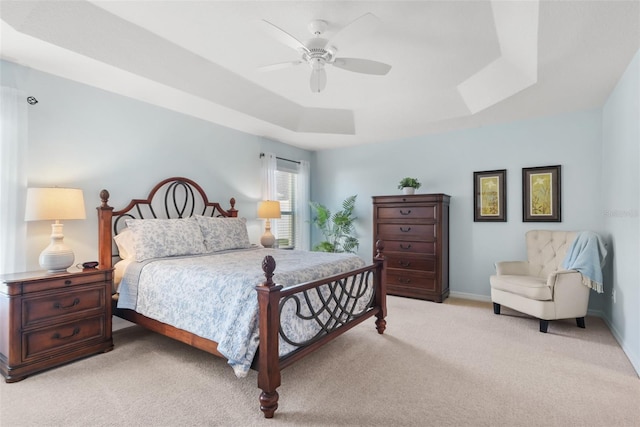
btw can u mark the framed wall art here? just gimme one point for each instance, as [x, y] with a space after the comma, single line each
[541, 194]
[490, 196]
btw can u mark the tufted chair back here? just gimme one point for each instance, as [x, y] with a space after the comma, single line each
[546, 250]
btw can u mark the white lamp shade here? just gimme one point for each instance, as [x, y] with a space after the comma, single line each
[269, 209]
[54, 203]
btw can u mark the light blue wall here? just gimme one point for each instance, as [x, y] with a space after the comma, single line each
[445, 163]
[88, 138]
[621, 208]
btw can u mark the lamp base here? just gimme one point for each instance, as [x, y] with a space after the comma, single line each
[268, 240]
[56, 257]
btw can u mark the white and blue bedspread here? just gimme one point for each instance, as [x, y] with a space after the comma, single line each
[214, 296]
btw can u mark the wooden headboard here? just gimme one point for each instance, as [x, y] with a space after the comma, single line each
[175, 197]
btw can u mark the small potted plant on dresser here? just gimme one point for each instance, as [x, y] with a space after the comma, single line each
[409, 185]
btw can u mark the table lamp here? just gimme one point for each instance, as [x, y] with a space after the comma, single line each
[55, 204]
[268, 210]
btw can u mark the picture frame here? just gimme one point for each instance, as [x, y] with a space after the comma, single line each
[541, 194]
[490, 196]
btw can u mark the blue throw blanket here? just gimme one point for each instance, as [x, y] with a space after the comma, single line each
[587, 255]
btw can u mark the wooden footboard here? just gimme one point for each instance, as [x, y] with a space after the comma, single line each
[346, 300]
[342, 307]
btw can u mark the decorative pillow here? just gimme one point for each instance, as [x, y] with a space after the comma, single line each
[157, 238]
[224, 233]
[124, 242]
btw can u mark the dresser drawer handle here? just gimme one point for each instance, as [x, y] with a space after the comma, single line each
[405, 281]
[405, 213]
[402, 246]
[404, 263]
[405, 230]
[59, 306]
[67, 282]
[75, 332]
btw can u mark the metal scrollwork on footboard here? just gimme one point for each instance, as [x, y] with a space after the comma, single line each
[325, 308]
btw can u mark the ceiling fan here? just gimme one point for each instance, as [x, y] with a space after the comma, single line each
[318, 51]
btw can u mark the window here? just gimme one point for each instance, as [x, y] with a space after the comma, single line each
[286, 183]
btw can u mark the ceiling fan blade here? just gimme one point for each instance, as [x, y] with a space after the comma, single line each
[358, 28]
[318, 80]
[279, 66]
[365, 66]
[283, 37]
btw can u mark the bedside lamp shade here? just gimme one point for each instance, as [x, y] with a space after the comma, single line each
[55, 204]
[268, 210]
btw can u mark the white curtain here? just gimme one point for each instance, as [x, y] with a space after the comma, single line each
[13, 150]
[302, 207]
[269, 185]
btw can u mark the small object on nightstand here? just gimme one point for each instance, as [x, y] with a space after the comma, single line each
[90, 264]
[48, 319]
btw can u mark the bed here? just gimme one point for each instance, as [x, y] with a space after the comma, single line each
[185, 269]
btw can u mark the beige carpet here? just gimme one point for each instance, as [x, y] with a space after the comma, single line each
[451, 364]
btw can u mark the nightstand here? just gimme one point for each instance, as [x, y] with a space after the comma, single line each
[48, 319]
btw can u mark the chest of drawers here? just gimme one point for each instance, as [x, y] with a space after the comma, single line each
[47, 319]
[415, 232]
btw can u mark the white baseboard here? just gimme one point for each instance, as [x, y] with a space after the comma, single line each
[473, 297]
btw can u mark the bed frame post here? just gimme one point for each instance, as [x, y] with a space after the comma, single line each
[269, 324]
[381, 287]
[105, 248]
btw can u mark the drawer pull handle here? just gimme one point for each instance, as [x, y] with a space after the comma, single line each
[67, 282]
[404, 263]
[405, 230]
[405, 281]
[402, 246]
[405, 213]
[59, 306]
[75, 332]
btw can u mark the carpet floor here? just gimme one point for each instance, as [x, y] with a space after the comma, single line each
[450, 364]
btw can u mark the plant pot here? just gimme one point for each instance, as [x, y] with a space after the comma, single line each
[408, 190]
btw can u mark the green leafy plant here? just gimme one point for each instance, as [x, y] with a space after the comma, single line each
[337, 229]
[409, 182]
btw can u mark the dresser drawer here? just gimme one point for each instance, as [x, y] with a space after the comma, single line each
[407, 212]
[411, 279]
[407, 232]
[409, 247]
[35, 310]
[410, 261]
[60, 337]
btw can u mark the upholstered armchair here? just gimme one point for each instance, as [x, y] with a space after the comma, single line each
[540, 287]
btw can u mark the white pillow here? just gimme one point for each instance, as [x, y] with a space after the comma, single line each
[124, 242]
[224, 233]
[158, 238]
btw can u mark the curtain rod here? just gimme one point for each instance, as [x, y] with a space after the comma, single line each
[281, 158]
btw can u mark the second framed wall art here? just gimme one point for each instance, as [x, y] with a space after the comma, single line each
[541, 194]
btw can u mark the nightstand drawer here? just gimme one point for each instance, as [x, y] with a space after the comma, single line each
[35, 310]
[59, 337]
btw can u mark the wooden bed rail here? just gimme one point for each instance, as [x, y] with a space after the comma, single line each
[270, 295]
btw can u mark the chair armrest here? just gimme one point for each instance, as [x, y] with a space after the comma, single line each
[515, 268]
[564, 276]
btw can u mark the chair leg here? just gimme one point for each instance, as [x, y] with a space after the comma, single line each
[544, 325]
[580, 322]
[496, 308]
